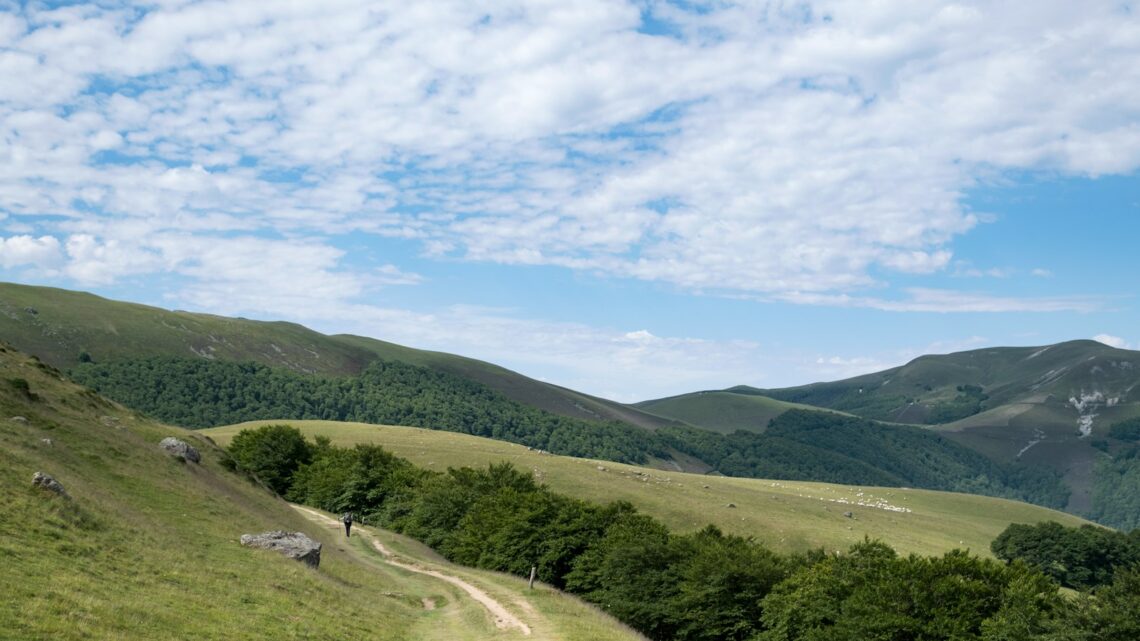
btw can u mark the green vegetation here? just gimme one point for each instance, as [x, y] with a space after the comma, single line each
[146, 547]
[203, 393]
[1126, 430]
[1116, 489]
[702, 586]
[798, 445]
[1080, 558]
[829, 447]
[790, 516]
[66, 328]
[724, 411]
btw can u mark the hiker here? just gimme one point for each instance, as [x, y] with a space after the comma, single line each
[347, 518]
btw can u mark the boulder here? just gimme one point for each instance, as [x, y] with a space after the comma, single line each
[294, 545]
[179, 448]
[39, 479]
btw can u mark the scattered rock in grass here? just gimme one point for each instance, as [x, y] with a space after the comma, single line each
[601, 468]
[849, 515]
[180, 449]
[19, 419]
[46, 481]
[294, 545]
[47, 441]
[731, 505]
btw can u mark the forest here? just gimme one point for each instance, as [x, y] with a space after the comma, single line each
[798, 445]
[702, 586]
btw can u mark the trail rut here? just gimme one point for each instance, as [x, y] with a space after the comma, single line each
[504, 619]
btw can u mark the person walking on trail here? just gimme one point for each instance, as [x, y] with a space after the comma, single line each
[347, 519]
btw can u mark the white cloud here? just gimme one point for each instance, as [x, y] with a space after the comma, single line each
[919, 299]
[1112, 341]
[765, 151]
[18, 251]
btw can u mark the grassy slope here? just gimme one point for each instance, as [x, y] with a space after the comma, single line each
[787, 515]
[147, 548]
[1028, 405]
[721, 411]
[64, 323]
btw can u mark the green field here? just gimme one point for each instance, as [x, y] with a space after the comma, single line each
[147, 545]
[786, 515]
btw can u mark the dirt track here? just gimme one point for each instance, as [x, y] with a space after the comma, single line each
[503, 618]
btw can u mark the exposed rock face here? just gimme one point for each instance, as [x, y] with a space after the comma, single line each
[39, 479]
[177, 447]
[294, 545]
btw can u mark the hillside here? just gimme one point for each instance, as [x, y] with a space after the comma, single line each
[721, 411]
[146, 545]
[1048, 407]
[63, 327]
[787, 515]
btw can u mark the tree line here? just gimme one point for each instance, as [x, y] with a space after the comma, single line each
[702, 586]
[798, 445]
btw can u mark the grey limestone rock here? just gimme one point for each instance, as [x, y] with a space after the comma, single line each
[39, 479]
[178, 447]
[294, 545]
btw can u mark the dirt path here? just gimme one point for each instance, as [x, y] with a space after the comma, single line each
[503, 618]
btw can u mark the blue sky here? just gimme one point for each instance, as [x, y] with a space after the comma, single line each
[633, 199]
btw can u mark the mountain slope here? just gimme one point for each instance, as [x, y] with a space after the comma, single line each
[63, 327]
[786, 515]
[146, 547]
[721, 411]
[1047, 406]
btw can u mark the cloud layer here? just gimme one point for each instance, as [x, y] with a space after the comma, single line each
[805, 152]
[765, 148]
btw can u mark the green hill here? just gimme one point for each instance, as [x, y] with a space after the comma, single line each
[63, 327]
[146, 547]
[1049, 407]
[721, 411]
[786, 515]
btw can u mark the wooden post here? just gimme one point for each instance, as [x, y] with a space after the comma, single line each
[533, 571]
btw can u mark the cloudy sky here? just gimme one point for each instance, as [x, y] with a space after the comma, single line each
[631, 198]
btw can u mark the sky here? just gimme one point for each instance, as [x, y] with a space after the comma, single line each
[634, 199]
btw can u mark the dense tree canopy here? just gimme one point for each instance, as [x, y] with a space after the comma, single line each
[704, 586]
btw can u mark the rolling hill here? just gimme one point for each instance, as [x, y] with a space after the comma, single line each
[722, 411]
[786, 515]
[64, 328]
[1034, 412]
[1047, 406]
[145, 546]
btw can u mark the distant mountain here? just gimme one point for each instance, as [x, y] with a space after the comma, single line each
[1049, 406]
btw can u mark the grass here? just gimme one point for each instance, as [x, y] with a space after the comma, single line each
[722, 411]
[58, 325]
[147, 545]
[786, 515]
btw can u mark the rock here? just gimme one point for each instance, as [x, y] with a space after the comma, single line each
[19, 419]
[47, 441]
[179, 448]
[39, 479]
[294, 545]
[731, 505]
[849, 515]
[601, 468]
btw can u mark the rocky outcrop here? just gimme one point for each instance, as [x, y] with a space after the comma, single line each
[181, 449]
[39, 479]
[294, 545]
